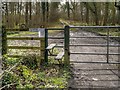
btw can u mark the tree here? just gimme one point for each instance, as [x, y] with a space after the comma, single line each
[30, 10]
[106, 13]
[93, 10]
[47, 11]
[54, 15]
[68, 9]
[26, 13]
[43, 10]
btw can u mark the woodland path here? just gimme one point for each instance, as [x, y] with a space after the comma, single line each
[92, 75]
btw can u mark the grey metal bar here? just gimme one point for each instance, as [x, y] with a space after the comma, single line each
[55, 37]
[94, 37]
[94, 62]
[94, 53]
[94, 26]
[96, 45]
[55, 28]
[107, 45]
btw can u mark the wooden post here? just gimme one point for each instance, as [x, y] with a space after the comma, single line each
[42, 45]
[46, 45]
[4, 41]
[66, 46]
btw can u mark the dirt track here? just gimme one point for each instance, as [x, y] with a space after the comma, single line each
[93, 75]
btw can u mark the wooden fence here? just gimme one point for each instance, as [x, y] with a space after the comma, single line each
[6, 47]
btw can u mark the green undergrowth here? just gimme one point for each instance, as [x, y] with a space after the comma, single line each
[28, 75]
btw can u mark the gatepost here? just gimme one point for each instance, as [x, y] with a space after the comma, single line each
[41, 35]
[66, 46]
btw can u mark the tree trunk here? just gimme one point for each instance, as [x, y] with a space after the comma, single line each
[30, 9]
[81, 9]
[106, 14]
[26, 13]
[43, 11]
[96, 13]
[47, 11]
[87, 14]
[68, 10]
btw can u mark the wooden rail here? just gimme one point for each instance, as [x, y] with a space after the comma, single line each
[24, 47]
[6, 47]
[25, 38]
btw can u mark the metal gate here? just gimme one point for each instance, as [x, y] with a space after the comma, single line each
[67, 37]
[107, 44]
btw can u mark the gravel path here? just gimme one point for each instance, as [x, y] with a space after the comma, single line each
[93, 75]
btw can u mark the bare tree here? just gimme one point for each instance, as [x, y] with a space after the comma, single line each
[26, 13]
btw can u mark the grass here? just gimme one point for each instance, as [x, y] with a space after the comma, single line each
[48, 75]
[23, 33]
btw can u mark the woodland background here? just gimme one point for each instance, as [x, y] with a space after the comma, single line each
[35, 14]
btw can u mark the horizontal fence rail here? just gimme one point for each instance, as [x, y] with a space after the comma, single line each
[95, 45]
[99, 62]
[55, 37]
[25, 38]
[94, 26]
[95, 37]
[24, 47]
[18, 56]
[55, 28]
[94, 53]
[17, 29]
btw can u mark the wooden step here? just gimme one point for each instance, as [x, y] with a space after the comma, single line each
[51, 46]
[59, 56]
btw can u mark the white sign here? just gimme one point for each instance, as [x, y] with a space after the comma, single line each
[41, 31]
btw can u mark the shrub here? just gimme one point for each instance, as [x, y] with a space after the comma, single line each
[30, 61]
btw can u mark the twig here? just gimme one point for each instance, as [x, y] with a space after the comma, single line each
[8, 85]
[2, 74]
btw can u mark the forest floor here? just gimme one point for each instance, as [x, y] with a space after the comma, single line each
[89, 75]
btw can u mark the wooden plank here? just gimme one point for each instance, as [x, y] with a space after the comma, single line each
[51, 46]
[27, 29]
[18, 56]
[24, 47]
[59, 56]
[25, 38]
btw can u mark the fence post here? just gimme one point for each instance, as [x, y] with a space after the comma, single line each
[66, 46]
[46, 44]
[4, 41]
[42, 45]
